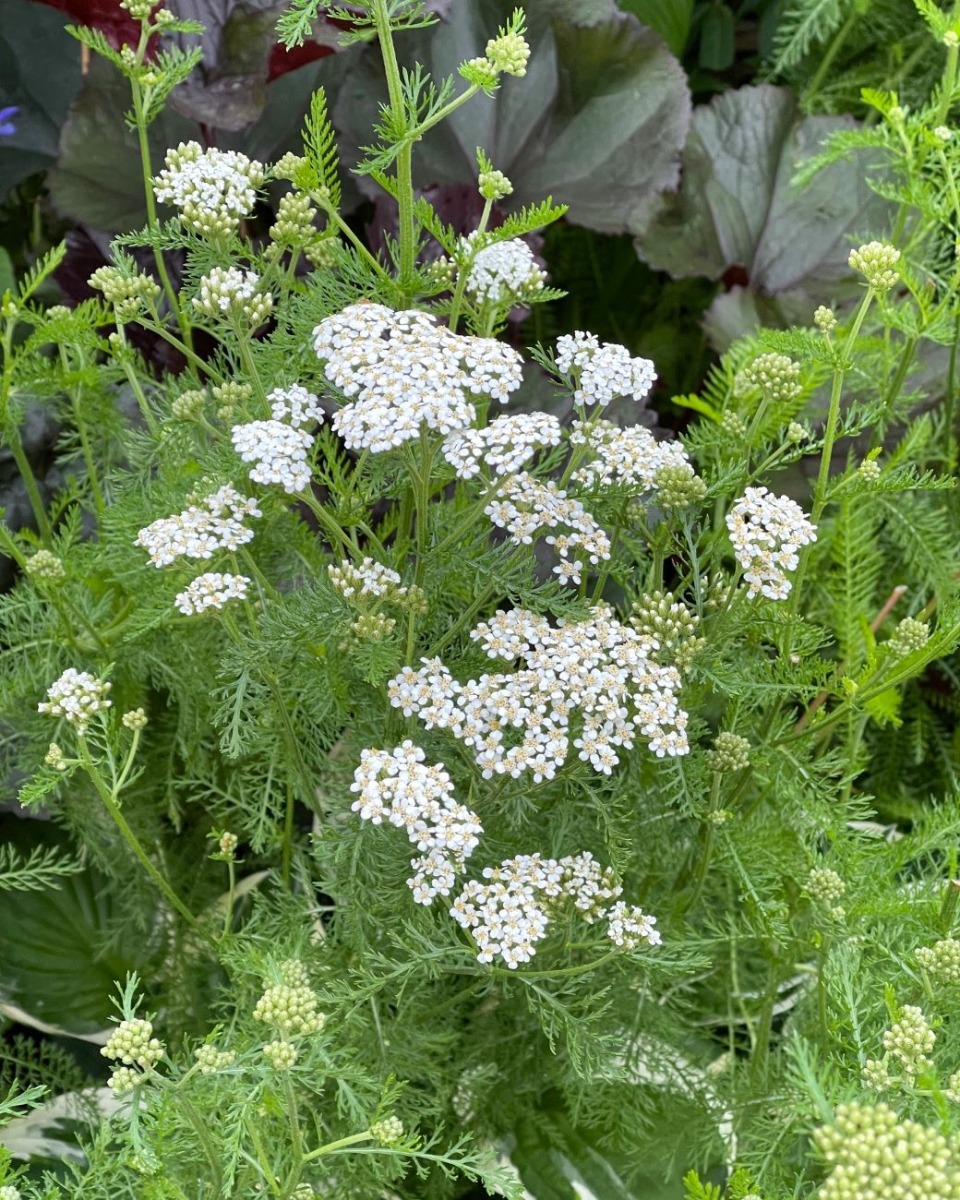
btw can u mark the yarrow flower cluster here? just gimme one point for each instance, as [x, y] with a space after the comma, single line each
[215, 523]
[510, 913]
[503, 446]
[942, 960]
[213, 189]
[278, 452]
[210, 1059]
[279, 447]
[604, 372]
[407, 371]
[212, 590]
[290, 1007]
[776, 374]
[232, 293]
[525, 506]
[909, 636]
[128, 292]
[871, 1151]
[629, 926]
[630, 456]
[767, 532]
[504, 271]
[132, 1043]
[367, 578]
[520, 721]
[76, 696]
[910, 1040]
[877, 263]
[398, 787]
[671, 625]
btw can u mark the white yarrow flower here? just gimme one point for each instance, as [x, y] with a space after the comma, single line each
[76, 696]
[767, 533]
[603, 372]
[211, 590]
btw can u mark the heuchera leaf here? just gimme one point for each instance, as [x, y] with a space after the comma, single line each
[40, 74]
[598, 121]
[738, 216]
[51, 958]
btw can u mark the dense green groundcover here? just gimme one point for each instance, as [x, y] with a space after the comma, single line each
[478, 653]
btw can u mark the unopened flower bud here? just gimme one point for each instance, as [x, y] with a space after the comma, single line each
[730, 752]
[136, 719]
[825, 319]
[44, 566]
[877, 261]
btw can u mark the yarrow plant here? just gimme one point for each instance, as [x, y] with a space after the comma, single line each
[472, 782]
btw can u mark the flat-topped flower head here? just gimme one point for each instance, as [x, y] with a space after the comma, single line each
[630, 927]
[603, 372]
[592, 686]
[211, 591]
[278, 452]
[504, 271]
[511, 912]
[295, 405]
[229, 293]
[767, 533]
[77, 696]
[213, 189]
[399, 787]
[215, 523]
[503, 446]
[629, 457]
[403, 371]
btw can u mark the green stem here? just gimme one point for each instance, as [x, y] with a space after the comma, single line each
[113, 808]
[706, 854]
[339, 1144]
[464, 274]
[947, 86]
[352, 238]
[12, 434]
[405, 197]
[74, 394]
[832, 50]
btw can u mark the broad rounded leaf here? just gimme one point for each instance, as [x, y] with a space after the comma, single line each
[597, 122]
[737, 206]
[40, 73]
[51, 960]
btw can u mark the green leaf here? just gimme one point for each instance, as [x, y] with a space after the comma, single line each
[717, 38]
[597, 123]
[672, 21]
[52, 961]
[8, 281]
[40, 69]
[738, 208]
[97, 178]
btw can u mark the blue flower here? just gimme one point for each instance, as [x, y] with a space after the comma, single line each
[6, 125]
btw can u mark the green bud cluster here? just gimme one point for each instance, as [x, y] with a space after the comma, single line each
[731, 422]
[910, 1040]
[54, 758]
[289, 166]
[135, 719]
[777, 375]
[387, 1132]
[875, 1075]
[910, 635]
[873, 1153]
[321, 251]
[942, 960]
[373, 627]
[231, 294]
[674, 627]
[133, 1044]
[876, 262]
[494, 185]
[45, 566]
[869, 470]
[509, 54]
[294, 224]
[679, 487]
[138, 9]
[230, 396]
[210, 1059]
[825, 319]
[129, 294]
[281, 1055]
[189, 405]
[796, 433]
[290, 1006]
[825, 885]
[730, 752]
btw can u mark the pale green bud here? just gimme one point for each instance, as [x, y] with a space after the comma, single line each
[876, 262]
